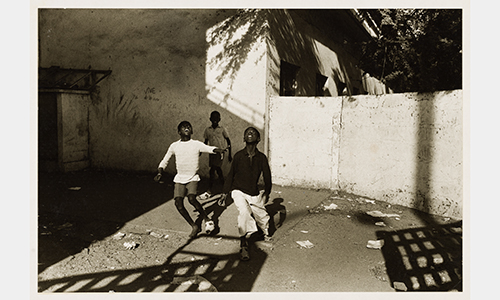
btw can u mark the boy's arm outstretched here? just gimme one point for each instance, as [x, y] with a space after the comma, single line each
[210, 149]
[163, 163]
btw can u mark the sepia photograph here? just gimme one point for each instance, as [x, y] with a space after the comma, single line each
[275, 149]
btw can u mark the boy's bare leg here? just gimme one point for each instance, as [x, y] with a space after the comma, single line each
[192, 200]
[179, 204]
[209, 224]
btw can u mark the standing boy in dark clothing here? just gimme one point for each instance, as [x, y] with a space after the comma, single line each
[216, 135]
[187, 153]
[242, 181]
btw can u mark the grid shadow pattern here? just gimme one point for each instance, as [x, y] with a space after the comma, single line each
[206, 273]
[424, 259]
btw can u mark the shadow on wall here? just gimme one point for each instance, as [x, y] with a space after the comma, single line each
[237, 107]
[424, 259]
[427, 130]
[428, 258]
[425, 144]
[209, 273]
[239, 34]
[295, 47]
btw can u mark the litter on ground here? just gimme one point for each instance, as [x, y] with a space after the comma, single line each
[304, 231]
[331, 206]
[119, 236]
[400, 286]
[379, 214]
[64, 226]
[75, 188]
[370, 201]
[381, 224]
[156, 235]
[375, 244]
[305, 244]
[130, 245]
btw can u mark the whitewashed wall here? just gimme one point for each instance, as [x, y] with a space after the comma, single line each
[401, 148]
[304, 136]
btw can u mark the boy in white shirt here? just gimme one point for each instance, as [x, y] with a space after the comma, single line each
[187, 152]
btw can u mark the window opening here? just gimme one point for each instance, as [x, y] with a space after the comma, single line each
[321, 89]
[288, 79]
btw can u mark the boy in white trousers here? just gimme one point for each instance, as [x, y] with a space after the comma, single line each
[242, 181]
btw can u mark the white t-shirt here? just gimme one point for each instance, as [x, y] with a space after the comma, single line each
[187, 155]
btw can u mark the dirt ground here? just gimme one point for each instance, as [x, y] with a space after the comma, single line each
[331, 248]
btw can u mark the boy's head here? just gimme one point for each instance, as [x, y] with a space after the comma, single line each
[185, 129]
[215, 117]
[251, 135]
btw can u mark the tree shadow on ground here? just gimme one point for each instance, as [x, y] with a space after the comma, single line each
[424, 259]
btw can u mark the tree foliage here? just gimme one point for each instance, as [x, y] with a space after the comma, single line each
[419, 50]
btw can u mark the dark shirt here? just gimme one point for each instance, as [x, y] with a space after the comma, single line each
[245, 173]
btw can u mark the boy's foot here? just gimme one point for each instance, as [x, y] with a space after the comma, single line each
[222, 201]
[268, 238]
[215, 231]
[244, 255]
[204, 196]
[209, 226]
[194, 231]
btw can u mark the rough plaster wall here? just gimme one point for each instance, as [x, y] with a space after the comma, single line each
[401, 148]
[242, 96]
[158, 60]
[304, 134]
[404, 149]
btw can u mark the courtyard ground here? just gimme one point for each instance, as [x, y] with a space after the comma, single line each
[113, 232]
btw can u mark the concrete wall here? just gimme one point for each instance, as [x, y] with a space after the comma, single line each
[401, 148]
[304, 138]
[405, 149]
